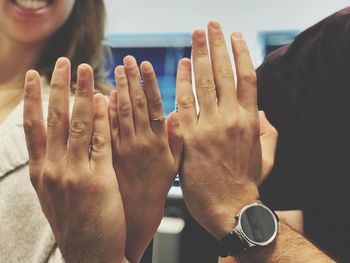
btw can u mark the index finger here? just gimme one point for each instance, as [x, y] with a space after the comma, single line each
[33, 123]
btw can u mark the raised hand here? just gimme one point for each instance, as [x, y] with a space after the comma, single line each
[71, 167]
[145, 163]
[222, 159]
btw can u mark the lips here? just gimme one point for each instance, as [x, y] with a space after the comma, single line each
[32, 4]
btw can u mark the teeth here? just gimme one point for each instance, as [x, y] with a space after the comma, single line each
[32, 4]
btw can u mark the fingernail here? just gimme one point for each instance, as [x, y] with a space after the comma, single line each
[61, 62]
[199, 34]
[129, 61]
[30, 76]
[214, 24]
[83, 71]
[185, 62]
[237, 35]
[146, 67]
[119, 71]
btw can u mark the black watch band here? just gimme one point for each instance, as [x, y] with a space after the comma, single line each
[234, 242]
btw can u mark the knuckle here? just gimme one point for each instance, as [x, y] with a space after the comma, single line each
[186, 101]
[219, 42]
[122, 81]
[241, 48]
[143, 147]
[234, 127]
[71, 183]
[201, 52]
[125, 110]
[50, 179]
[30, 93]
[57, 83]
[83, 91]
[78, 128]
[156, 104]
[206, 84]
[98, 143]
[249, 77]
[29, 126]
[139, 101]
[225, 72]
[55, 117]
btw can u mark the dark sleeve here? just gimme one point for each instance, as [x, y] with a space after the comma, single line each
[304, 89]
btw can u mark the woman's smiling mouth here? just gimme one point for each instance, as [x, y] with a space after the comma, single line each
[32, 4]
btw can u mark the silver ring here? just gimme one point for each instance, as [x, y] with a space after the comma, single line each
[161, 118]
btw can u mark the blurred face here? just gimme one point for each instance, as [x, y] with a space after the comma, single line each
[31, 21]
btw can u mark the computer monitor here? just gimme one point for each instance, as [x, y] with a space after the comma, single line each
[164, 52]
[271, 40]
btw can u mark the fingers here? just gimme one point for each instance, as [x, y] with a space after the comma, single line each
[154, 99]
[125, 111]
[184, 95]
[82, 116]
[58, 111]
[113, 119]
[175, 138]
[246, 77]
[137, 96]
[222, 68]
[33, 122]
[101, 151]
[206, 91]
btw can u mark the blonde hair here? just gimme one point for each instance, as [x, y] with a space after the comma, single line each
[80, 40]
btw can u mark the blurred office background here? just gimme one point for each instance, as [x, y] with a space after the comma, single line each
[248, 16]
[160, 31]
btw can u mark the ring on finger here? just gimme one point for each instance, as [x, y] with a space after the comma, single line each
[161, 118]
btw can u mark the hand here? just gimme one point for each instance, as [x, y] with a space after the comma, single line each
[71, 167]
[222, 159]
[143, 160]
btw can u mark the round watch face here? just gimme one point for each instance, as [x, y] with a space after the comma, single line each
[258, 224]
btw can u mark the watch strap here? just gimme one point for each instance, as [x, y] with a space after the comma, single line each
[233, 241]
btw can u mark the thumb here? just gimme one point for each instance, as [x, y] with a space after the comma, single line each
[268, 140]
[175, 138]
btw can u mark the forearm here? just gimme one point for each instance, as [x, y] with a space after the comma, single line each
[289, 246]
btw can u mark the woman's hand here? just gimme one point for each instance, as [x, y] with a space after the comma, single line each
[71, 167]
[145, 163]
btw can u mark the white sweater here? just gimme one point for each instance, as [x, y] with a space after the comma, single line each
[25, 235]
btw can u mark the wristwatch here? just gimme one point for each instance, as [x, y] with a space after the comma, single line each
[256, 226]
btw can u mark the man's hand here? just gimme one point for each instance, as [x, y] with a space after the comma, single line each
[71, 167]
[222, 160]
[144, 161]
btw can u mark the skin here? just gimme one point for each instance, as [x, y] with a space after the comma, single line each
[30, 29]
[71, 167]
[144, 161]
[146, 157]
[222, 156]
[222, 108]
[72, 170]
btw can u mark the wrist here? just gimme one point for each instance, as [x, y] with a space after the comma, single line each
[222, 221]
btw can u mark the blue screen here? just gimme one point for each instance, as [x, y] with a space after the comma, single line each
[164, 52]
